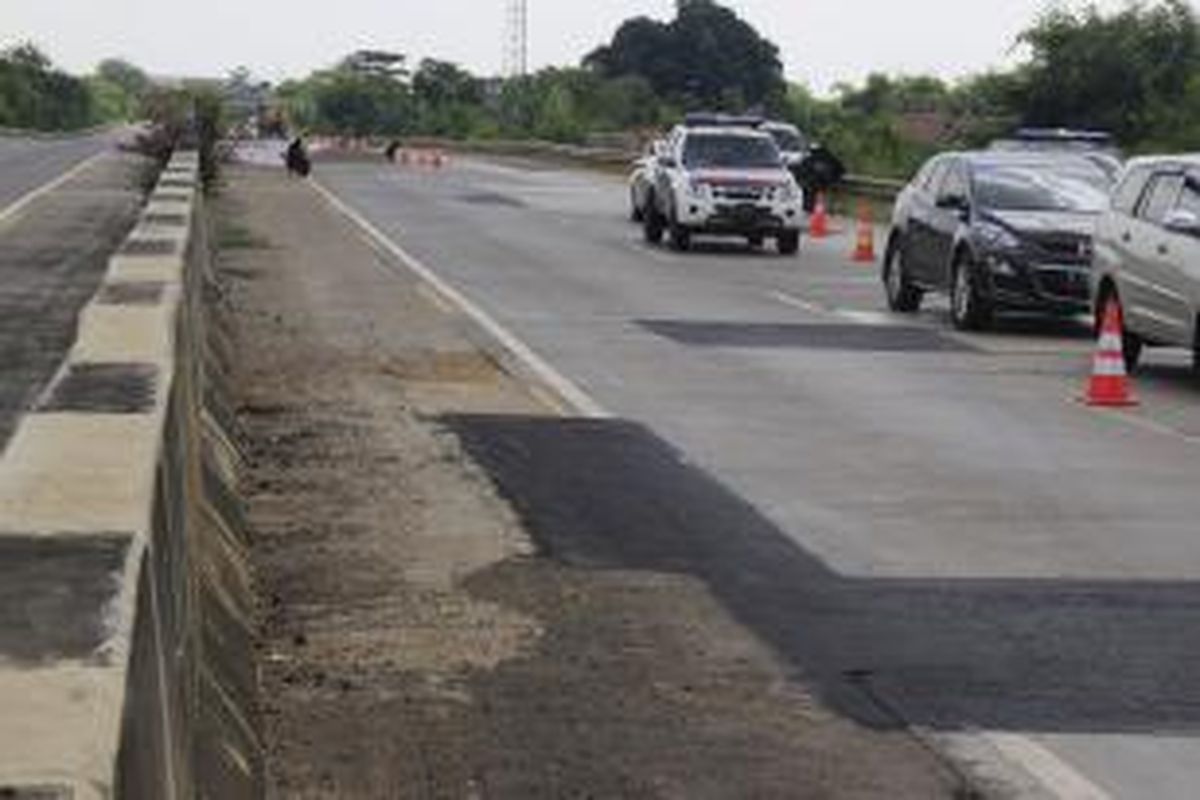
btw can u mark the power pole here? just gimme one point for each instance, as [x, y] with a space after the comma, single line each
[516, 39]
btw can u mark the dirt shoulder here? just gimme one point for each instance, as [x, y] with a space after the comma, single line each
[417, 640]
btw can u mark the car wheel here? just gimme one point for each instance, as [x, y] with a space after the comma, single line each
[902, 295]
[652, 224]
[681, 237]
[636, 214]
[969, 308]
[789, 243]
[1132, 345]
[755, 240]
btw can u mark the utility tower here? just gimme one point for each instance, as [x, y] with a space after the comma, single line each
[516, 38]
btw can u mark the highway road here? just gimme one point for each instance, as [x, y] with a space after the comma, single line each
[26, 164]
[65, 205]
[927, 525]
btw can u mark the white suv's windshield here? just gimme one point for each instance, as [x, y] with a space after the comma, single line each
[1069, 186]
[789, 141]
[729, 150]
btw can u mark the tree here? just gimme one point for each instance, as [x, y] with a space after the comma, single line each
[132, 80]
[707, 56]
[1128, 72]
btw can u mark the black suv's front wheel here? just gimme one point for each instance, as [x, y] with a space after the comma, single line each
[970, 307]
[902, 295]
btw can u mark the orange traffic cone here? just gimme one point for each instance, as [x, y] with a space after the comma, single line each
[818, 226]
[864, 251]
[1109, 384]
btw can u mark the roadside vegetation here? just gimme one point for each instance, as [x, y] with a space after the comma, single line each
[35, 95]
[1134, 72]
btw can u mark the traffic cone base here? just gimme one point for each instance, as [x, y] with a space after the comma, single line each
[1109, 384]
[818, 226]
[864, 251]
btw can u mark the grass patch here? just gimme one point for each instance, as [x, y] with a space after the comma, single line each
[234, 236]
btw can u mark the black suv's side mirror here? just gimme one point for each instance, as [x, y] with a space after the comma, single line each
[954, 202]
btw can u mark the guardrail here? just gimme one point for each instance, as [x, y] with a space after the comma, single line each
[123, 555]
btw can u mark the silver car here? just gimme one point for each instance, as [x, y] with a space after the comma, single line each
[1147, 255]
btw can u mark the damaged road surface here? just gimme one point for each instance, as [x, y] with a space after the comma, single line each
[466, 594]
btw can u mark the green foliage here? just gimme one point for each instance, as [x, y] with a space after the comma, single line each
[35, 95]
[707, 57]
[1131, 72]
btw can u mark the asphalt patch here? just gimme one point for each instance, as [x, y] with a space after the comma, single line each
[150, 247]
[155, 218]
[491, 199]
[131, 293]
[846, 337]
[35, 793]
[55, 592]
[104, 389]
[1045, 655]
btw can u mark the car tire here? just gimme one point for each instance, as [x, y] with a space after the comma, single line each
[970, 308]
[902, 295]
[755, 240]
[788, 243]
[653, 224]
[1132, 345]
[681, 237]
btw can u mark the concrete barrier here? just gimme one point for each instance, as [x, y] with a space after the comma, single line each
[126, 618]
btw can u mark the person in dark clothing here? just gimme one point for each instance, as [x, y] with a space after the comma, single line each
[392, 148]
[820, 171]
[297, 158]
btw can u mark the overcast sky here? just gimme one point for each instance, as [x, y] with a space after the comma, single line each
[822, 41]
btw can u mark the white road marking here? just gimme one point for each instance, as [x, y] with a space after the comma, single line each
[877, 318]
[576, 398]
[1056, 776]
[23, 202]
[797, 302]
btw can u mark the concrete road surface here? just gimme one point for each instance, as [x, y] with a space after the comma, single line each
[928, 525]
[62, 213]
[26, 164]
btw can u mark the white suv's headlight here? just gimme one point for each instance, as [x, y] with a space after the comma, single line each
[696, 188]
[787, 193]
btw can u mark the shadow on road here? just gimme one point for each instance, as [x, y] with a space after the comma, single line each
[1027, 655]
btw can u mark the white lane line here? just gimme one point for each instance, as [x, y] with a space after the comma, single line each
[1057, 776]
[576, 398]
[876, 318]
[23, 202]
[797, 302]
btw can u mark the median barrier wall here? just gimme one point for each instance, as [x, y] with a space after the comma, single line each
[126, 614]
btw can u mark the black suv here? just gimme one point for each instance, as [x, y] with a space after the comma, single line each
[996, 231]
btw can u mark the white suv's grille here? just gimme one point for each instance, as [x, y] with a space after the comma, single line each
[741, 191]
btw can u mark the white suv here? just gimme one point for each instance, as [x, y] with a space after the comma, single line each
[724, 180]
[1147, 255]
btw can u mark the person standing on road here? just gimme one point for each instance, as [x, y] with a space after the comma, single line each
[297, 159]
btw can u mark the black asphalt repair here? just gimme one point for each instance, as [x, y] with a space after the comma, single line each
[813, 336]
[52, 259]
[55, 592]
[104, 389]
[994, 654]
[131, 293]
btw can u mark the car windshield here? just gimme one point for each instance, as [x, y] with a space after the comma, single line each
[1067, 186]
[789, 141]
[730, 150]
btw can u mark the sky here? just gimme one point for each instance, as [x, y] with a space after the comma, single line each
[822, 42]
